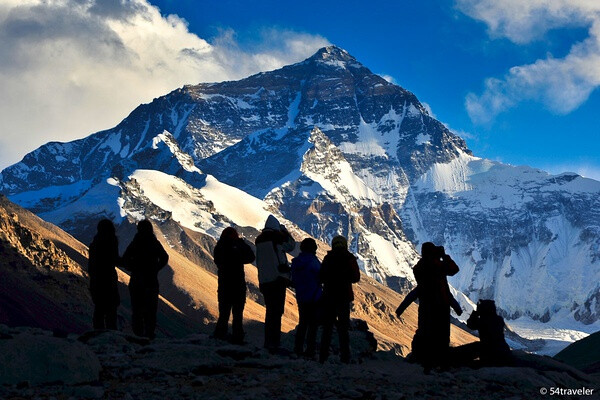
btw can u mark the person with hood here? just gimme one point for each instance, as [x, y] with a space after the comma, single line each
[432, 339]
[103, 258]
[273, 276]
[338, 272]
[230, 255]
[305, 279]
[144, 257]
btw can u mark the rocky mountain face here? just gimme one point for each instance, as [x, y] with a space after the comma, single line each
[331, 148]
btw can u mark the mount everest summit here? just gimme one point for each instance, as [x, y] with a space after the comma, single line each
[332, 148]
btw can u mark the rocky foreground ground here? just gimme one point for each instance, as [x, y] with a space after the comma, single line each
[35, 364]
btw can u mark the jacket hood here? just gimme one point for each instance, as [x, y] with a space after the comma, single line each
[272, 223]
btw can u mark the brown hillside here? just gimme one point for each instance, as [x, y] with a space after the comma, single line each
[44, 283]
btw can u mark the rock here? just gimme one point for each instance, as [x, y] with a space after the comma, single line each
[181, 359]
[43, 359]
[235, 352]
[87, 392]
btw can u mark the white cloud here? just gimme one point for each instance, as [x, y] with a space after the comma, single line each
[429, 110]
[72, 67]
[562, 84]
[585, 170]
[388, 78]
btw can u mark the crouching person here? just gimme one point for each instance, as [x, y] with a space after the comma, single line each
[492, 349]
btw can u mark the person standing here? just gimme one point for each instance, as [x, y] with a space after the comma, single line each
[305, 278]
[230, 255]
[338, 272]
[273, 276]
[432, 339]
[144, 257]
[103, 258]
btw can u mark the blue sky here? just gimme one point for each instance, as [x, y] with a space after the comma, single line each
[516, 78]
[439, 53]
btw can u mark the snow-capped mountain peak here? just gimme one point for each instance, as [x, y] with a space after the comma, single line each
[336, 149]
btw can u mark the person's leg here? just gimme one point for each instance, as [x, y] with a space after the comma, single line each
[343, 327]
[98, 318]
[267, 289]
[328, 321]
[313, 325]
[137, 309]
[223, 321]
[111, 317]
[237, 323]
[303, 310]
[150, 309]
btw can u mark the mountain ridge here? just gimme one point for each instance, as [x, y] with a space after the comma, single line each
[513, 230]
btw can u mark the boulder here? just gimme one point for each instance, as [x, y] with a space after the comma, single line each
[38, 359]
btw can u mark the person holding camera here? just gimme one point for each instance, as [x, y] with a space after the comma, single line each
[230, 255]
[273, 276]
[432, 339]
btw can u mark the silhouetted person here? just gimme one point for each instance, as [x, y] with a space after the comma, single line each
[338, 272]
[230, 255]
[492, 349]
[305, 277]
[273, 276]
[144, 257]
[103, 258]
[432, 339]
[413, 295]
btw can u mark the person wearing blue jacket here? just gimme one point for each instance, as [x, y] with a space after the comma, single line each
[305, 278]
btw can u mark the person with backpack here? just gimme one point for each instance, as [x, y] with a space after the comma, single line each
[339, 271]
[144, 257]
[273, 276]
[305, 279]
[230, 255]
[103, 258]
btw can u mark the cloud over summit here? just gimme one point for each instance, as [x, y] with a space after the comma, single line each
[72, 67]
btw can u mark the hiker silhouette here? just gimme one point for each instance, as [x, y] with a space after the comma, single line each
[432, 339]
[492, 349]
[230, 255]
[339, 271]
[305, 278]
[273, 276]
[103, 258]
[144, 257]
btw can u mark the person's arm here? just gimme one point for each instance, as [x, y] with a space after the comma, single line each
[163, 257]
[126, 260]
[450, 267]
[410, 298]
[354, 273]
[288, 243]
[473, 321]
[247, 255]
[454, 304]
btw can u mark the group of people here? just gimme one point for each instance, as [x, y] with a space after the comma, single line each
[323, 290]
[323, 293]
[431, 342]
[144, 257]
